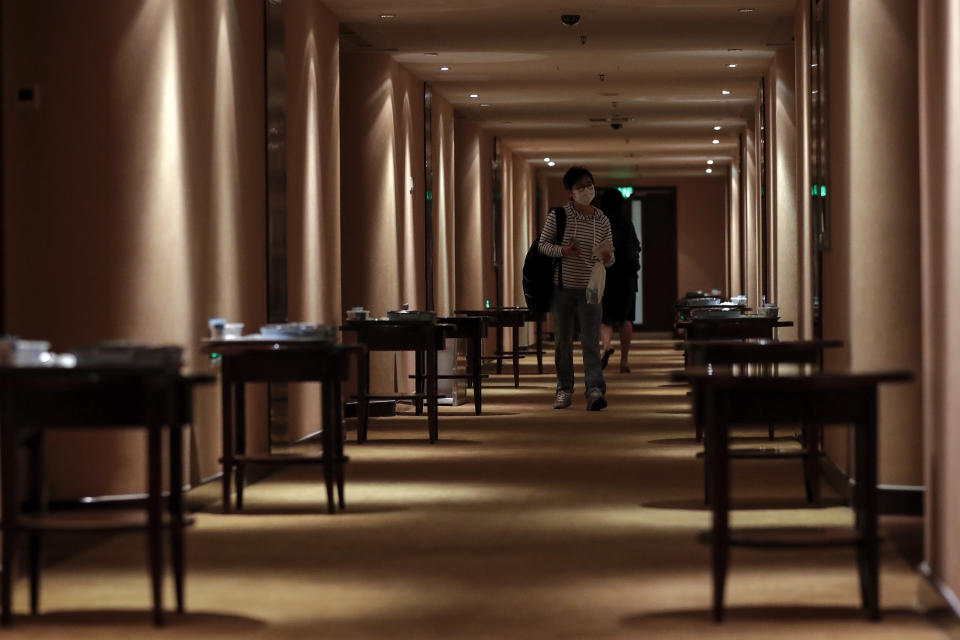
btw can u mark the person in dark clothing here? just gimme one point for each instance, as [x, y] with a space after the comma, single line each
[620, 294]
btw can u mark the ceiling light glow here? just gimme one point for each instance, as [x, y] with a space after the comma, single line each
[546, 159]
[725, 92]
[716, 127]
[387, 16]
[444, 68]
[731, 66]
[746, 10]
[474, 95]
[709, 161]
[715, 141]
[709, 170]
[551, 164]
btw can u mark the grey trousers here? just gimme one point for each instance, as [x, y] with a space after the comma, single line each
[565, 304]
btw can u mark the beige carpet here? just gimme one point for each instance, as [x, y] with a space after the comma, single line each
[523, 523]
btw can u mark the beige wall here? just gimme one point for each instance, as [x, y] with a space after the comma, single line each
[134, 208]
[444, 206]
[734, 223]
[312, 57]
[785, 227]
[751, 210]
[803, 182]
[940, 201]
[473, 230]
[381, 196]
[874, 223]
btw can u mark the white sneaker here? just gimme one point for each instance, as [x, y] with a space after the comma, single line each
[563, 400]
[595, 400]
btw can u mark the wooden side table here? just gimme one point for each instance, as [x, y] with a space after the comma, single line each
[504, 318]
[421, 336]
[827, 398]
[257, 359]
[722, 355]
[33, 400]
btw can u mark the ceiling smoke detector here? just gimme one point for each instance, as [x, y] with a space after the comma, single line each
[570, 19]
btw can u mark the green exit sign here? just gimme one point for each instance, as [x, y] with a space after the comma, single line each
[625, 191]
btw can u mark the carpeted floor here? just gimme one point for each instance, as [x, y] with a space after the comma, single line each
[522, 523]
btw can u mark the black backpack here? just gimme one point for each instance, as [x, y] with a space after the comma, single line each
[538, 270]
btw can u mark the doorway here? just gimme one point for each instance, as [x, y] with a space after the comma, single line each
[654, 215]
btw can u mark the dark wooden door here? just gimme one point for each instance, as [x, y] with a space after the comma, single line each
[659, 258]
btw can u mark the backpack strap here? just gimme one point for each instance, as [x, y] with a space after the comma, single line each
[561, 215]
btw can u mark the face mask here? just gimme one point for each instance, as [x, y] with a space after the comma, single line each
[584, 196]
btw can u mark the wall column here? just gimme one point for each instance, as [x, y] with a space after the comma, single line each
[940, 201]
[875, 243]
[782, 136]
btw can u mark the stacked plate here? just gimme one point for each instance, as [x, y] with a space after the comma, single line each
[299, 330]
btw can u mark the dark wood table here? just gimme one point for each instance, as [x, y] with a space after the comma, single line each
[724, 355]
[510, 318]
[258, 359]
[472, 330]
[827, 398]
[35, 399]
[424, 337]
[742, 327]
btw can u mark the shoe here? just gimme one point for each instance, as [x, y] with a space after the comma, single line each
[595, 400]
[624, 368]
[606, 358]
[563, 400]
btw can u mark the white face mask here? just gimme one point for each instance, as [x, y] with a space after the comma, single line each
[584, 195]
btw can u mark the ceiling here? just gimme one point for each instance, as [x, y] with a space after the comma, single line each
[655, 67]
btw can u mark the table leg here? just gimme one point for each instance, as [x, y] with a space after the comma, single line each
[516, 356]
[418, 386]
[476, 347]
[363, 395]
[499, 350]
[432, 419]
[327, 436]
[811, 460]
[241, 436]
[155, 505]
[38, 505]
[226, 407]
[865, 452]
[540, 346]
[11, 501]
[716, 454]
[175, 506]
[338, 437]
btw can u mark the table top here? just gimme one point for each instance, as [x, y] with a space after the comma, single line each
[775, 321]
[833, 379]
[257, 342]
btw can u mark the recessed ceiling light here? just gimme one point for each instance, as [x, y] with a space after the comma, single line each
[474, 95]
[814, 64]
[484, 105]
[746, 10]
[709, 161]
[716, 127]
[732, 66]
[431, 53]
[709, 170]
[546, 159]
[444, 68]
[734, 50]
[387, 16]
[725, 92]
[715, 141]
[551, 164]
